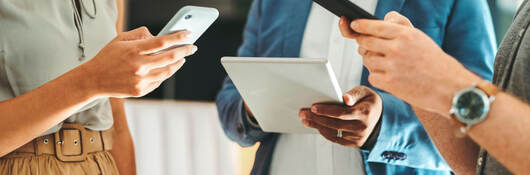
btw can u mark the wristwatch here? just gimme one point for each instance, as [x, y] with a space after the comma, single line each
[471, 106]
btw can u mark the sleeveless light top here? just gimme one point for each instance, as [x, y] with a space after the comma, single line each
[41, 40]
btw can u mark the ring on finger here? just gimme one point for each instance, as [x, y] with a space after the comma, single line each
[339, 133]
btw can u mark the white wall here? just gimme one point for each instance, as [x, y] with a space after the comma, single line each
[183, 138]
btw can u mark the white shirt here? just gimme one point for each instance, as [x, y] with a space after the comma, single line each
[309, 154]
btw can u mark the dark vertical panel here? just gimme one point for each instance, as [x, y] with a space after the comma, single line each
[202, 75]
[502, 17]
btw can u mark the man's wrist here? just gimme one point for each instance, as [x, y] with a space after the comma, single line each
[461, 80]
[372, 139]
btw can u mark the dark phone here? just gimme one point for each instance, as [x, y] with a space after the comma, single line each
[345, 8]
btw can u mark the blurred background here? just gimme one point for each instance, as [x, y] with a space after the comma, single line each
[175, 128]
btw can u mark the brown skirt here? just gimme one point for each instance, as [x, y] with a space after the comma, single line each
[95, 164]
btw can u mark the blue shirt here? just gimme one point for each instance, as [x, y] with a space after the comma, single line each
[275, 28]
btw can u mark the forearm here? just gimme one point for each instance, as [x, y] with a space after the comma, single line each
[120, 23]
[27, 116]
[402, 131]
[505, 133]
[460, 153]
[123, 148]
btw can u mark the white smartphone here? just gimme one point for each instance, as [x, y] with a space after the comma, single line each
[192, 18]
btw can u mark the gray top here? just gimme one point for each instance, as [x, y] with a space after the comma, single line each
[40, 40]
[512, 67]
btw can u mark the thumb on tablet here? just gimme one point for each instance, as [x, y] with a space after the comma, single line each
[356, 94]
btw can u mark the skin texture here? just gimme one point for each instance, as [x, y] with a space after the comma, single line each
[357, 117]
[450, 146]
[123, 68]
[391, 49]
[460, 153]
[123, 148]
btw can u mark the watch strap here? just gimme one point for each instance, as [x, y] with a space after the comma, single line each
[488, 88]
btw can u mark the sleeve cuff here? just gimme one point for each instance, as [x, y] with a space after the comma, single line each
[401, 140]
[251, 122]
[372, 139]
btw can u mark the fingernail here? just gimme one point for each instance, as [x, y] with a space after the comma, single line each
[348, 100]
[187, 33]
[314, 109]
[354, 24]
[194, 49]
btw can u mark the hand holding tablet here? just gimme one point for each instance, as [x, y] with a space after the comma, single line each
[275, 89]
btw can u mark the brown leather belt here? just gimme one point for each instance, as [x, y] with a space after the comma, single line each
[70, 144]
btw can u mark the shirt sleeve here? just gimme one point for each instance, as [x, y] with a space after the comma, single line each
[232, 113]
[469, 37]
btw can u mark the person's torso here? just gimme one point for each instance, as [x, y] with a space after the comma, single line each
[512, 70]
[280, 33]
[41, 40]
[313, 154]
[281, 23]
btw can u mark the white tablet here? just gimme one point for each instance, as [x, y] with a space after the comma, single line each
[275, 89]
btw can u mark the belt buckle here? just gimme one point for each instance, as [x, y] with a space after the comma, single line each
[59, 142]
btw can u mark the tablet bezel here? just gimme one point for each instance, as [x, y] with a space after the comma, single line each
[254, 76]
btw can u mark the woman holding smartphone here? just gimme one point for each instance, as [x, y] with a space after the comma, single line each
[62, 68]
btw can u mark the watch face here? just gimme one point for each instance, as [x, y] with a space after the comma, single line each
[471, 106]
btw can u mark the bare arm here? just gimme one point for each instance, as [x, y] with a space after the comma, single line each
[27, 116]
[432, 79]
[505, 134]
[460, 153]
[120, 23]
[123, 148]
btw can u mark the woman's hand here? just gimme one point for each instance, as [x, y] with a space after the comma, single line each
[131, 66]
[124, 68]
[407, 63]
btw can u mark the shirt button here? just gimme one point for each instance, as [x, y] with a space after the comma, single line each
[401, 156]
[390, 155]
[240, 129]
[386, 155]
[479, 161]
